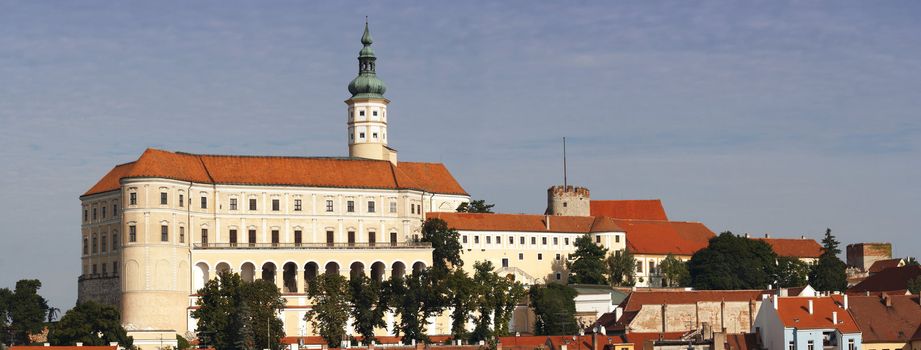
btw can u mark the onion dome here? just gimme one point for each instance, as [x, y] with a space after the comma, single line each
[366, 84]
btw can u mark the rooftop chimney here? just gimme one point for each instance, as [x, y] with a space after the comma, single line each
[618, 312]
[775, 301]
[802, 237]
[46, 344]
[767, 235]
[810, 307]
[747, 236]
[845, 301]
[834, 317]
[79, 343]
[548, 222]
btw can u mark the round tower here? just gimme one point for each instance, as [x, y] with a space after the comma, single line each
[367, 112]
[568, 201]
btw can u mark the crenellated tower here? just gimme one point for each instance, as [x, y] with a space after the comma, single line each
[367, 118]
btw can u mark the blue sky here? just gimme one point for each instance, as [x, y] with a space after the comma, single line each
[761, 117]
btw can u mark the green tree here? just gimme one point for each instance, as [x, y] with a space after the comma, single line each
[914, 285]
[445, 245]
[461, 302]
[485, 287]
[330, 310]
[475, 206]
[791, 272]
[232, 313]
[674, 272]
[621, 268]
[27, 310]
[506, 296]
[911, 261]
[412, 298]
[6, 297]
[587, 266]
[554, 308]
[829, 274]
[182, 343]
[732, 262]
[367, 311]
[90, 323]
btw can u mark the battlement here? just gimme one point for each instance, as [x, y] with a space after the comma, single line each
[568, 190]
[568, 201]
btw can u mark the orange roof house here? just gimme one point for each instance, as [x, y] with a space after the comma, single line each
[887, 319]
[893, 281]
[282, 171]
[800, 248]
[881, 265]
[664, 237]
[649, 209]
[642, 311]
[527, 222]
[820, 321]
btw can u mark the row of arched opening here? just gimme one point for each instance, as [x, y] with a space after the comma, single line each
[295, 279]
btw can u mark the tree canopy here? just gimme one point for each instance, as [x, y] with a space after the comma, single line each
[445, 244]
[791, 272]
[331, 305]
[829, 274]
[587, 266]
[674, 272]
[621, 268]
[368, 307]
[733, 262]
[22, 312]
[475, 206]
[90, 323]
[233, 314]
[554, 308]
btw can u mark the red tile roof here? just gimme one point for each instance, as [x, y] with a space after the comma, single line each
[644, 209]
[283, 171]
[894, 279]
[67, 347]
[640, 339]
[794, 313]
[794, 247]
[526, 223]
[574, 342]
[742, 341]
[885, 264]
[879, 323]
[664, 237]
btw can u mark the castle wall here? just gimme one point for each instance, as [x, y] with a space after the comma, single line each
[568, 201]
[105, 290]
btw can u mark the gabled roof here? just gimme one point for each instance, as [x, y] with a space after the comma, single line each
[664, 237]
[527, 223]
[894, 279]
[794, 313]
[898, 323]
[282, 171]
[794, 247]
[646, 209]
[885, 264]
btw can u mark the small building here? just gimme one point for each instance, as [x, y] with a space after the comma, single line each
[805, 249]
[807, 323]
[888, 321]
[881, 265]
[863, 255]
[891, 281]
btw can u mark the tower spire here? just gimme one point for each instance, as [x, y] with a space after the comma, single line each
[368, 117]
[366, 84]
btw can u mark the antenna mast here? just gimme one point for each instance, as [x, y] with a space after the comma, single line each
[565, 182]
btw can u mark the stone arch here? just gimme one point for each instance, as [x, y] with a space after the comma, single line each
[222, 267]
[332, 267]
[269, 270]
[163, 274]
[398, 269]
[289, 276]
[378, 269]
[248, 272]
[202, 275]
[133, 276]
[356, 269]
[311, 271]
[418, 266]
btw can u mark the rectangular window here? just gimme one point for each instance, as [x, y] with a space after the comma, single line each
[556, 241]
[103, 212]
[372, 238]
[252, 238]
[558, 257]
[488, 239]
[351, 238]
[504, 262]
[103, 244]
[597, 239]
[639, 267]
[94, 213]
[616, 239]
[543, 240]
[298, 238]
[252, 204]
[371, 206]
[540, 256]
[164, 233]
[566, 241]
[329, 205]
[498, 240]
[412, 208]
[534, 240]
[274, 238]
[204, 237]
[476, 239]
[233, 204]
[520, 256]
[464, 239]
[276, 205]
[330, 238]
[85, 215]
[104, 268]
[810, 345]
[133, 198]
[94, 244]
[361, 113]
[181, 234]
[115, 268]
[163, 198]
[559, 276]
[511, 240]
[132, 233]
[521, 240]
[393, 238]
[350, 206]
[204, 202]
[115, 241]
[233, 238]
[94, 269]
[393, 207]
[851, 345]
[115, 210]
[181, 200]
[297, 205]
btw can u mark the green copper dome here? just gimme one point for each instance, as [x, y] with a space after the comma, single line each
[366, 84]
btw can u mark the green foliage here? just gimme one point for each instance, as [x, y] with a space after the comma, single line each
[461, 301]
[475, 206]
[6, 297]
[911, 261]
[621, 268]
[914, 285]
[25, 311]
[85, 322]
[505, 298]
[182, 343]
[555, 309]
[445, 244]
[791, 272]
[414, 301]
[368, 308]
[485, 281]
[233, 314]
[674, 272]
[587, 265]
[829, 274]
[732, 262]
[330, 310]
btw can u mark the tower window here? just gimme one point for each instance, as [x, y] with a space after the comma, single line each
[276, 205]
[350, 206]
[371, 206]
[374, 113]
[297, 205]
[361, 135]
[361, 113]
[164, 233]
[163, 198]
[374, 135]
[329, 205]
[233, 204]
[132, 233]
[133, 198]
[252, 204]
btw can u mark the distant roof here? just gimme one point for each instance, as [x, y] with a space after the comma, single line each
[639, 339]
[880, 265]
[794, 247]
[644, 209]
[664, 237]
[527, 223]
[282, 171]
[65, 347]
[879, 323]
[894, 279]
[794, 313]
[574, 342]
[635, 301]
[742, 341]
